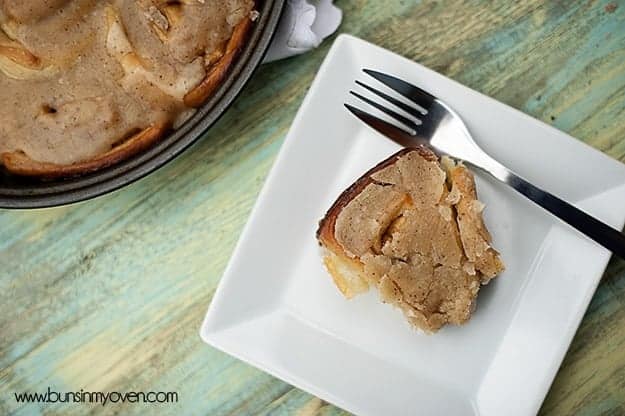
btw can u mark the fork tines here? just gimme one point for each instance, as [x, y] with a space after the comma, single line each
[393, 114]
[421, 98]
[415, 94]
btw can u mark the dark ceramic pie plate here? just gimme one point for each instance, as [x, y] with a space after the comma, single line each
[18, 192]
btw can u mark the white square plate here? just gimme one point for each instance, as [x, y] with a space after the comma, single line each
[278, 309]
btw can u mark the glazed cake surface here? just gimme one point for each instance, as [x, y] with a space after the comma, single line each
[412, 228]
[80, 77]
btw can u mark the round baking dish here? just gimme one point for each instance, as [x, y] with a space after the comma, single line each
[17, 192]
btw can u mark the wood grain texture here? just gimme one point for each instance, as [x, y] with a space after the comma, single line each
[109, 294]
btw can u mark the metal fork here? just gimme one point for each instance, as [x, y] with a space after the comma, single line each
[440, 128]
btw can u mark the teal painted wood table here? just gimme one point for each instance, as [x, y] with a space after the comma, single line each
[109, 294]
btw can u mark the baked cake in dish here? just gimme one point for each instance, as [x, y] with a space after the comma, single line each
[86, 83]
[412, 228]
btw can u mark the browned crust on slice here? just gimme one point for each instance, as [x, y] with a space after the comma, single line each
[21, 164]
[218, 71]
[470, 222]
[463, 179]
[325, 232]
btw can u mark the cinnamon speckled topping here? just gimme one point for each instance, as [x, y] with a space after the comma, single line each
[79, 76]
[415, 232]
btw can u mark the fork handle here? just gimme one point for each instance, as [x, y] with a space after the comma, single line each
[600, 232]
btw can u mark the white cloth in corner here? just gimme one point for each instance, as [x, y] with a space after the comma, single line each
[303, 26]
